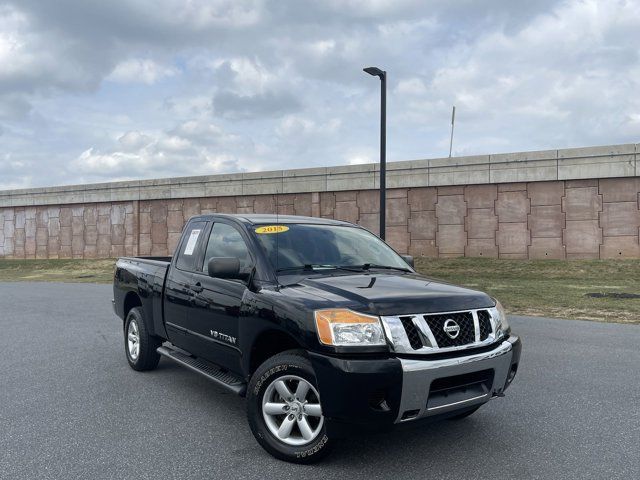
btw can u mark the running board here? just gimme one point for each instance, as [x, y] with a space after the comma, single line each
[216, 374]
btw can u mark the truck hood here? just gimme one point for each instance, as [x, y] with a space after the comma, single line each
[397, 293]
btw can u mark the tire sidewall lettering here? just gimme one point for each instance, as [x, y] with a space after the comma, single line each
[313, 450]
[269, 373]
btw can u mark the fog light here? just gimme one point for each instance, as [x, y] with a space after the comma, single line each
[409, 414]
[378, 401]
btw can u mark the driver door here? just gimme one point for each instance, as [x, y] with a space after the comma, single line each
[216, 310]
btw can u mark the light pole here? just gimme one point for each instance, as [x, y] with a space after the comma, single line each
[376, 72]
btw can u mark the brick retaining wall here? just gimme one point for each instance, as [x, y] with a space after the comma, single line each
[561, 219]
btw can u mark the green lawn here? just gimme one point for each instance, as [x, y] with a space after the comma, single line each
[602, 290]
[92, 271]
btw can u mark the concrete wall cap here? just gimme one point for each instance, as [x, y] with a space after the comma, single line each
[341, 169]
[459, 161]
[599, 151]
[305, 172]
[564, 164]
[524, 156]
[270, 174]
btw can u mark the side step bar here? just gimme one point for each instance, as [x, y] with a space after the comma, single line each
[216, 374]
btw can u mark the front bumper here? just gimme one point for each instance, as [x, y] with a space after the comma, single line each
[463, 382]
[378, 393]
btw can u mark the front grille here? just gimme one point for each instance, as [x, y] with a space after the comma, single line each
[412, 332]
[464, 320]
[428, 332]
[484, 323]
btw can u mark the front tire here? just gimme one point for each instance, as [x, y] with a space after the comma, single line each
[139, 346]
[284, 409]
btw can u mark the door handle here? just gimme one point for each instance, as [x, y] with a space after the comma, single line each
[197, 288]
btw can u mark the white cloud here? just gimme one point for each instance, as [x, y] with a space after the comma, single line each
[191, 148]
[249, 76]
[91, 161]
[188, 106]
[134, 140]
[295, 126]
[359, 156]
[254, 84]
[204, 14]
[13, 52]
[138, 70]
[563, 79]
[411, 86]
[323, 47]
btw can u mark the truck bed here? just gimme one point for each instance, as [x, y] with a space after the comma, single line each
[146, 277]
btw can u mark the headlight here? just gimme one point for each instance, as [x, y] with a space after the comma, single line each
[341, 327]
[500, 316]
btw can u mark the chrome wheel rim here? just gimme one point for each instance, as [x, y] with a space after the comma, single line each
[133, 340]
[291, 410]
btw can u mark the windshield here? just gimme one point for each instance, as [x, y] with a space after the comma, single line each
[318, 247]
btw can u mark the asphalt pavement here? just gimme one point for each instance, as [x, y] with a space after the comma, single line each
[70, 407]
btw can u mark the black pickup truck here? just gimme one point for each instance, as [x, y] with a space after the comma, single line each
[319, 323]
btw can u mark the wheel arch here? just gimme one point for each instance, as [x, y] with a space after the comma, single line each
[269, 343]
[131, 300]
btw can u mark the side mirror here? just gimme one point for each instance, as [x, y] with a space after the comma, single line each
[225, 267]
[408, 259]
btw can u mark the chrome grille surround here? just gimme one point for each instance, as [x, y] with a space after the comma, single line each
[399, 342]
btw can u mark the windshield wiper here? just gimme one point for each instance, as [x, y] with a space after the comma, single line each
[313, 267]
[369, 266]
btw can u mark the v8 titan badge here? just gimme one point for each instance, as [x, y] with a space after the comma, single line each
[272, 229]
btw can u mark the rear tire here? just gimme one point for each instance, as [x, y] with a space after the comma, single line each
[139, 346]
[287, 382]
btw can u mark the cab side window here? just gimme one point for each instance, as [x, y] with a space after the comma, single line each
[188, 249]
[226, 241]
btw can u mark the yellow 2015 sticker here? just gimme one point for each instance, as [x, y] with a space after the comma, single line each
[272, 229]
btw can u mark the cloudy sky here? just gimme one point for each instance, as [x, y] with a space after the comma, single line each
[94, 91]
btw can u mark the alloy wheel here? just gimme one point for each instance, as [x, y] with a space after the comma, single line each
[133, 340]
[291, 409]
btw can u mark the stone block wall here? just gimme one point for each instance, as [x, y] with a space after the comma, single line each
[560, 204]
[558, 219]
[98, 230]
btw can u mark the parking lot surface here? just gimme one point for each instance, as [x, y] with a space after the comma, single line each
[70, 407]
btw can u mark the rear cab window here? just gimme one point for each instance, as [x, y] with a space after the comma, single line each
[189, 252]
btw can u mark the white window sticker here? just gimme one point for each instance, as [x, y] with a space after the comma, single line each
[191, 243]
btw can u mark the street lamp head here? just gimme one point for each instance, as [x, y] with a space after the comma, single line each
[375, 71]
